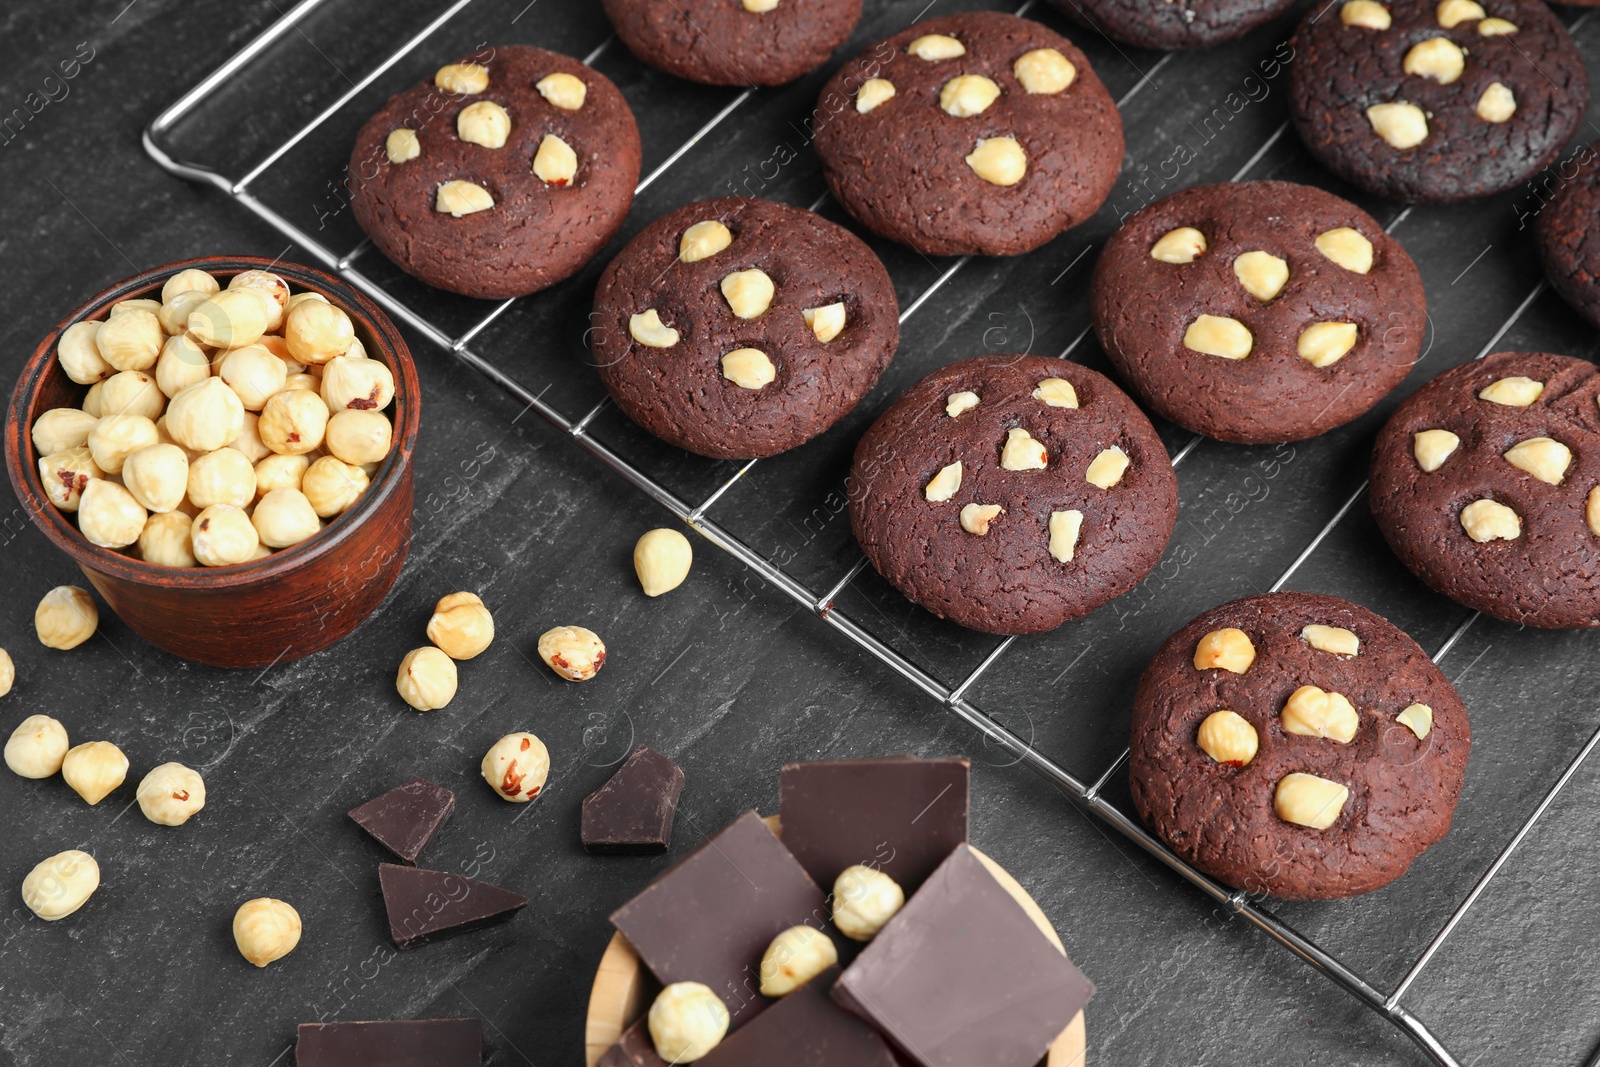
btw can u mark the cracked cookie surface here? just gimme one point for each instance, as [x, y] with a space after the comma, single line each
[1172, 24]
[726, 42]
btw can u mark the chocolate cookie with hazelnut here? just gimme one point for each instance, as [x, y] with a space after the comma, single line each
[734, 42]
[1172, 23]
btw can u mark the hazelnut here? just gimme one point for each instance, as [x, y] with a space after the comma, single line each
[1514, 392]
[1332, 639]
[1592, 511]
[60, 885]
[359, 437]
[516, 767]
[466, 79]
[136, 304]
[1227, 737]
[284, 517]
[427, 678]
[8, 672]
[826, 322]
[573, 652]
[131, 392]
[253, 373]
[1183, 245]
[157, 476]
[686, 1021]
[484, 123]
[1489, 520]
[265, 930]
[62, 428]
[230, 319]
[1056, 393]
[94, 769]
[957, 403]
[748, 368]
[170, 794]
[1044, 70]
[331, 485]
[316, 331]
[648, 329]
[1107, 468]
[1438, 58]
[1433, 447]
[1452, 13]
[1497, 104]
[759, 7]
[293, 422]
[1262, 274]
[270, 286]
[249, 443]
[661, 559]
[945, 484]
[795, 957]
[1368, 14]
[1065, 526]
[1418, 718]
[1306, 800]
[1401, 125]
[91, 399]
[458, 198]
[1347, 248]
[966, 95]
[402, 146]
[703, 240]
[461, 626]
[873, 92]
[206, 416]
[281, 472]
[1322, 344]
[79, 356]
[223, 535]
[1229, 649]
[109, 516]
[309, 382]
[182, 363]
[66, 474]
[1314, 712]
[566, 91]
[998, 160]
[116, 437]
[975, 518]
[936, 46]
[191, 279]
[222, 477]
[1545, 459]
[174, 312]
[164, 541]
[555, 163]
[1022, 452]
[66, 617]
[36, 746]
[1213, 335]
[363, 384]
[748, 293]
[864, 899]
[1496, 28]
[130, 340]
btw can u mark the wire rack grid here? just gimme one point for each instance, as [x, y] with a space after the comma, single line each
[822, 602]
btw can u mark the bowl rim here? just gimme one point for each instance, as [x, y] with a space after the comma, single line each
[23, 464]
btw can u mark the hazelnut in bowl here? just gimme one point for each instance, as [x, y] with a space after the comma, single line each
[224, 447]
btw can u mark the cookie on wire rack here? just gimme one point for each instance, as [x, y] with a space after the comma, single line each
[1172, 24]
[734, 42]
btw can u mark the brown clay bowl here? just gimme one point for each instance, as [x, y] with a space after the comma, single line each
[290, 604]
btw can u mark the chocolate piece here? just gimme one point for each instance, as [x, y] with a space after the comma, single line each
[710, 917]
[391, 1043]
[633, 812]
[405, 818]
[803, 1029]
[424, 905]
[901, 815]
[961, 975]
[634, 1048]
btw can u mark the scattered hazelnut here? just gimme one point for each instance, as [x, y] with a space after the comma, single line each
[1401, 125]
[66, 617]
[957, 403]
[1332, 639]
[1497, 104]
[1322, 344]
[1022, 452]
[966, 95]
[1438, 58]
[170, 794]
[1433, 447]
[1107, 468]
[573, 652]
[1213, 335]
[749, 293]
[1496, 28]
[268, 285]
[130, 340]
[8, 672]
[223, 535]
[182, 363]
[402, 146]
[1314, 712]
[165, 542]
[1452, 13]
[1056, 393]
[131, 392]
[265, 930]
[109, 516]
[864, 899]
[975, 518]
[1517, 391]
[157, 476]
[1183, 245]
[94, 769]
[359, 437]
[1262, 274]
[116, 437]
[79, 356]
[1065, 527]
[1592, 511]
[206, 416]
[230, 319]
[748, 368]
[945, 484]
[936, 46]
[292, 423]
[484, 123]
[458, 198]
[36, 747]
[686, 1021]
[1227, 737]
[284, 517]
[648, 329]
[1418, 718]
[873, 92]
[66, 474]
[253, 373]
[363, 384]
[1347, 248]
[661, 559]
[1489, 520]
[461, 626]
[1306, 800]
[826, 322]
[62, 428]
[516, 767]
[555, 163]
[60, 885]
[998, 160]
[1545, 459]
[1368, 14]
[1044, 70]
[795, 957]
[316, 331]
[467, 79]
[191, 279]
[427, 678]
[1229, 649]
[222, 477]
[703, 240]
[330, 484]
[566, 91]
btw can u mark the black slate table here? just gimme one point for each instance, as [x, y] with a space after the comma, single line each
[725, 675]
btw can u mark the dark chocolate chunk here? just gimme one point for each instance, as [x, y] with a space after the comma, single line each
[901, 816]
[633, 812]
[710, 917]
[391, 1043]
[634, 1048]
[405, 818]
[961, 975]
[803, 1029]
[424, 905]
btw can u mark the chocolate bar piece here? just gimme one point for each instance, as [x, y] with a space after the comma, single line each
[634, 1048]
[804, 1029]
[710, 917]
[961, 975]
[902, 816]
[633, 812]
[404, 819]
[424, 905]
[397, 1043]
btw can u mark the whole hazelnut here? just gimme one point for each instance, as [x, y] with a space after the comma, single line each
[79, 355]
[223, 535]
[60, 885]
[280, 472]
[268, 285]
[116, 437]
[253, 373]
[687, 1021]
[66, 617]
[8, 672]
[332, 485]
[427, 679]
[661, 559]
[109, 515]
[316, 331]
[265, 930]
[62, 428]
[171, 793]
[132, 392]
[190, 278]
[795, 957]
[864, 899]
[361, 384]
[157, 476]
[36, 747]
[284, 517]
[94, 769]
[249, 443]
[232, 318]
[461, 626]
[574, 652]
[294, 421]
[131, 339]
[516, 767]
[205, 416]
[358, 436]
[165, 541]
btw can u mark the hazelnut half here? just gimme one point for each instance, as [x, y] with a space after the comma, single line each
[1314, 712]
[1306, 800]
[1065, 527]
[1229, 649]
[576, 653]
[1227, 737]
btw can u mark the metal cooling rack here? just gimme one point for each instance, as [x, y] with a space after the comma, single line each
[821, 603]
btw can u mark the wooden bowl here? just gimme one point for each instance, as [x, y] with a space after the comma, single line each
[623, 988]
[296, 601]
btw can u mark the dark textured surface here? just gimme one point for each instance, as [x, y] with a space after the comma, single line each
[1142, 307]
[1569, 241]
[1172, 23]
[901, 167]
[719, 42]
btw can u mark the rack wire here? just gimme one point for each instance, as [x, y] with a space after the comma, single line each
[822, 603]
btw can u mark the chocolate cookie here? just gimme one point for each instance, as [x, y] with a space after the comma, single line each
[1258, 311]
[1012, 493]
[1486, 483]
[1169, 24]
[1568, 233]
[739, 328]
[502, 175]
[976, 133]
[1427, 101]
[1297, 745]
[734, 42]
